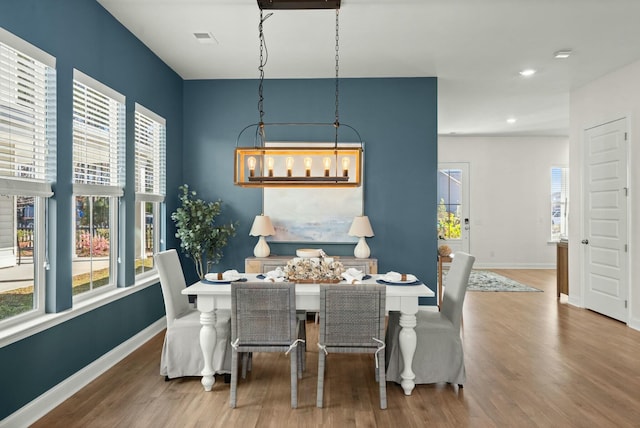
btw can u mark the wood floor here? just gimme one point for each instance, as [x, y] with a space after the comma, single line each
[531, 362]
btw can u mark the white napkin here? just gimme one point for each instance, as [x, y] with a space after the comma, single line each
[231, 275]
[392, 276]
[276, 275]
[228, 275]
[353, 276]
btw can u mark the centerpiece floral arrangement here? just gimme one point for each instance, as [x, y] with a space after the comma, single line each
[315, 269]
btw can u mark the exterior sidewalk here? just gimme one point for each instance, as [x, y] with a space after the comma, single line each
[19, 276]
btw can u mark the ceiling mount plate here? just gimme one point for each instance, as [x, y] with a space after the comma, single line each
[298, 4]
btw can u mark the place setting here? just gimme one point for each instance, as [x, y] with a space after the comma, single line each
[226, 277]
[395, 278]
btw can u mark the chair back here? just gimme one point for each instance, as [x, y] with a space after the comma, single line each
[456, 283]
[351, 316]
[172, 282]
[263, 314]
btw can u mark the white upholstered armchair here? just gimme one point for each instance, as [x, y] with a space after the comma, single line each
[181, 352]
[439, 354]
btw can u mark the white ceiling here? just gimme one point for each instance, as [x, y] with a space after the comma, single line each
[475, 47]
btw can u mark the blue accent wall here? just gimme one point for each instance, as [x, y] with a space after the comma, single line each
[397, 119]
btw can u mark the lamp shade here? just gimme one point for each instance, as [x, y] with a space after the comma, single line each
[262, 226]
[361, 227]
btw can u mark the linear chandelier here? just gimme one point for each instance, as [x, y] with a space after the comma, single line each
[322, 164]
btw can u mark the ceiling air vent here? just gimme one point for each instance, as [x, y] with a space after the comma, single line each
[206, 38]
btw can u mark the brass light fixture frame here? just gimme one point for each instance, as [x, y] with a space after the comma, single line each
[270, 169]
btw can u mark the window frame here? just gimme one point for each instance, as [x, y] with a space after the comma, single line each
[113, 188]
[563, 203]
[155, 196]
[41, 93]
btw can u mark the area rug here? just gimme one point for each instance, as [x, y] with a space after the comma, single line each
[482, 280]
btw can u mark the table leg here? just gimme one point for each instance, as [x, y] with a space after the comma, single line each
[407, 340]
[208, 338]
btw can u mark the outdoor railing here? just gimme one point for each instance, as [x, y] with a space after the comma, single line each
[24, 242]
[99, 235]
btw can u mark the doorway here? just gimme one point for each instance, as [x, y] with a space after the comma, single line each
[454, 226]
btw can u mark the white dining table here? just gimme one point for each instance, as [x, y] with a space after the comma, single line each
[403, 298]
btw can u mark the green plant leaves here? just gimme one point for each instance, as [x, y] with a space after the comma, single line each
[200, 238]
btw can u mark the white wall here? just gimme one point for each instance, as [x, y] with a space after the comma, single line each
[510, 196]
[611, 97]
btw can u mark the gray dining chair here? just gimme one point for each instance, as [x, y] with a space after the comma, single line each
[352, 319]
[263, 319]
[181, 353]
[439, 355]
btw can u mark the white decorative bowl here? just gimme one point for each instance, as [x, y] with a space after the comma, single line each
[308, 252]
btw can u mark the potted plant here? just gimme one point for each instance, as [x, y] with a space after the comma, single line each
[201, 239]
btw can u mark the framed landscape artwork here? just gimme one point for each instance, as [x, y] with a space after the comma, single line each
[318, 215]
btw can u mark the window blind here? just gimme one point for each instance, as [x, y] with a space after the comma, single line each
[98, 137]
[27, 119]
[150, 143]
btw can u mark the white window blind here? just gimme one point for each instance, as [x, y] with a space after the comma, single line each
[150, 143]
[27, 118]
[98, 138]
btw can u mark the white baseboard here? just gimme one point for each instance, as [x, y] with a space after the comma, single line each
[46, 402]
[514, 266]
[634, 323]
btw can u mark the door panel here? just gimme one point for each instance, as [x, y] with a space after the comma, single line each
[606, 219]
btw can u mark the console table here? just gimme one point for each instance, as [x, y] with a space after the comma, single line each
[266, 264]
[441, 260]
[562, 266]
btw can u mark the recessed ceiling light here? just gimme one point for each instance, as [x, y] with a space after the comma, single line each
[511, 120]
[205, 38]
[528, 72]
[562, 54]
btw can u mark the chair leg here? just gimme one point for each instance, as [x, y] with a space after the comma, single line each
[302, 346]
[382, 380]
[234, 379]
[246, 363]
[320, 390]
[294, 378]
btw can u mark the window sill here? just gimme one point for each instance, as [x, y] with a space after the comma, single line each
[42, 322]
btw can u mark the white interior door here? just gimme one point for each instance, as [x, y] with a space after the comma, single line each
[454, 226]
[605, 226]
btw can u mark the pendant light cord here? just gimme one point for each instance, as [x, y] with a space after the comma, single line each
[337, 122]
[264, 57]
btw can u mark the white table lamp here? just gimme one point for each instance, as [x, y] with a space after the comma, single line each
[361, 228]
[262, 227]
